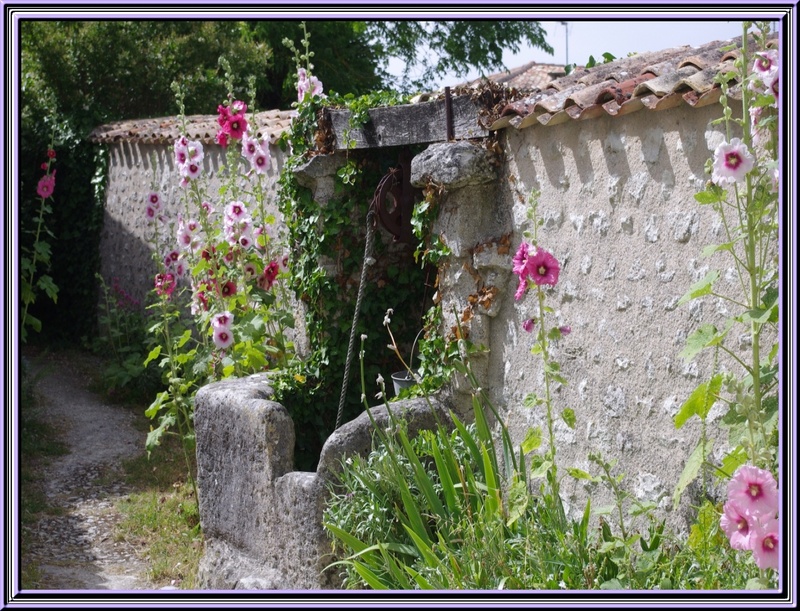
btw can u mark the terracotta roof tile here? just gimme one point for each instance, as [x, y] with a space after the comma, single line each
[271, 124]
[652, 81]
[529, 77]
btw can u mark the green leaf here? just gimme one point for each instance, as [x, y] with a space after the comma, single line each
[705, 336]
[155, 406]
[568, 415]
[690, 470]
[154, 353]
[541, 470]
[732, 461]
[711, 195]
[48, 286]
[581, 474]
[711, 249]
[700, 401]
[612, 584]
[518, 499]
[533, 440]
[700, 288]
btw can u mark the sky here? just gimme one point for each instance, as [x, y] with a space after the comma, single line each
[580, 39]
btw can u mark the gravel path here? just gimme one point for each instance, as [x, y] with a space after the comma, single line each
[77, 549]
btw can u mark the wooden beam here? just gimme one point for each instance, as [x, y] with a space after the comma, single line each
[409, 124]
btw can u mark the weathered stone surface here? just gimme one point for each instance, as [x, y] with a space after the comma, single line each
[452, 164]
[262, 520]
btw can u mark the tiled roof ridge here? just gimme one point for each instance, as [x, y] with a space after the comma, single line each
[655, 80]
[271, 124]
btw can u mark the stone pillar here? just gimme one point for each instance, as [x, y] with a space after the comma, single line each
[476, 231]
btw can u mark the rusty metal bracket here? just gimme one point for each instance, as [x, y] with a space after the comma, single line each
[393, 201]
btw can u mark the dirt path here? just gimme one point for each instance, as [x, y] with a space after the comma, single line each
[77, 549]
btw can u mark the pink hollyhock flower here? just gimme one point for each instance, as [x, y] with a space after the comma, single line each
[766, 63]
[223, 338]
[222, 320]
[302, 84]
[736, 525]
[239, 107]
[190, 170]
[208, 208]
[51, 153]
[542, 267]
[181, 151]
[249, 146]
[528, 324]
[195, 151]
[154, 200]
[732, 161]
[224, 114]
[283, 264]
[754, 491]
[260, 161]
[46, 186]
[236, 211]
[249, 271]
[150, 213]
[764, 543]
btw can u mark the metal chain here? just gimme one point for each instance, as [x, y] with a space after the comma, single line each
[368, 260]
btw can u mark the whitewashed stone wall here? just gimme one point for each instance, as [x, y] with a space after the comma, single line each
[125, 244]
[617, 201]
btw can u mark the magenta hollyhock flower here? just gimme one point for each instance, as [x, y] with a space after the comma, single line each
[221, 138]
[542, 267]
[764, 543]
[165, 284]
[754, 491]
[520, 258]
[51, 153]
[46, 186]
[732, 161]
[236, 126]
[736, 525]
[528, 324]
[223, 338]
[565, 330]
[150, 213]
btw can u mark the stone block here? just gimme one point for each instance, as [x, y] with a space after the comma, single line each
[452, 164]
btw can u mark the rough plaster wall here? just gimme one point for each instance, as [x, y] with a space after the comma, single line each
[125, 247]
[619, 214]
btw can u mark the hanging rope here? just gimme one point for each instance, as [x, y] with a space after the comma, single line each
[368, 260]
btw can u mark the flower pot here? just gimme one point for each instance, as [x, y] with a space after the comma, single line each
[402, 379]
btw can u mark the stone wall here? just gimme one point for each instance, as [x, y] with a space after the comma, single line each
[262, 521]
[136, 168]
[618, 210]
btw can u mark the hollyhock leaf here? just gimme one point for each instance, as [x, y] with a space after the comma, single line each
[581, 474]
[710, 250]
[690, 470]
[532, 441]
[699, 402]
[154, 354]
[568, 416]
[732, 461]
[697, 341]
[700, 288]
